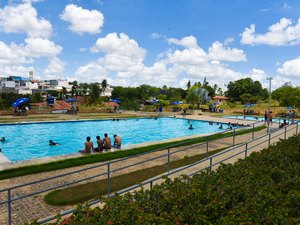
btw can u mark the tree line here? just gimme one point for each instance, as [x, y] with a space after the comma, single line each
[243, 90]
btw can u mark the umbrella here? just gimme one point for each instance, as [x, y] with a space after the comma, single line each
[20, 101]
[71, 100]
[248, 105]
[176, 103]
[116, 100]
[110, 104]
[50, 100]
[289, 108]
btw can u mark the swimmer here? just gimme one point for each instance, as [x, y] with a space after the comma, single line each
[221, 126]
[191, 127]
[2, 139]
[52, 143]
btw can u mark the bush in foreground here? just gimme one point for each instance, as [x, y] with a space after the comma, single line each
[262, 189]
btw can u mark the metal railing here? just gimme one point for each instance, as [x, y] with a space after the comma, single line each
[107, 166]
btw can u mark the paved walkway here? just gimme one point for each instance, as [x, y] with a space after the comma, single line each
[31, 208]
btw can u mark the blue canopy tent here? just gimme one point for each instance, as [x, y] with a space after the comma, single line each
[20, 101]
[116, 100]
[71, 100]
[289, 108]
[50, 101]
[176, 103]
[248, 105]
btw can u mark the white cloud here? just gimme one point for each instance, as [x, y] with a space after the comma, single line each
[119, 45]
[39, 47]
[122, 54]
[218, 52]
[187, 42]
[14, 54]
[14, 70]
[279, 34]
[55, 69]
[155, 36]
[92, 72]
[228, 41]
[123, 61]
[290, 68]
[23, 18]
[83, 20]
[258, 75]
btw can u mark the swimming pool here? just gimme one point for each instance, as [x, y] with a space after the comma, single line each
[256, 118]
[27, 141]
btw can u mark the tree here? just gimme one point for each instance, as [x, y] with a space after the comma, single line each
[282, 92]
[188, 85]
[245, 86]
[192, 98]
[287, 96]
[95, 92]
[64, 91]
[37, 97]
[74, 87]
[104, 85]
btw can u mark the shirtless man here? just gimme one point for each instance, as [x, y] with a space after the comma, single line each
[88, 145]
[107, 141]
[117, 141]
[100, 144]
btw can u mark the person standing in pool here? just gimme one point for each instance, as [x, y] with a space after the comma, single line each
[107, 141]
[88, 146]
[191, 127]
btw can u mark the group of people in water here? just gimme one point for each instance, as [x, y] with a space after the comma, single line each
[104, 144]
[230, 125]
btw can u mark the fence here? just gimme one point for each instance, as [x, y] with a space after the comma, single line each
[25, 194]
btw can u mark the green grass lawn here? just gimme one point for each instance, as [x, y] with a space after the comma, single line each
[84, 192]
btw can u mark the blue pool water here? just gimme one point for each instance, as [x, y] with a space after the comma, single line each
[255, 118]
[27, 141]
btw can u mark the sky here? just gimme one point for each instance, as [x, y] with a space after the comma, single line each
[155, 42]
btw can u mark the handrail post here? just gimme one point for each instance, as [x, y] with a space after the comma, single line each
[285, 132]
[252, 131]
[297, 128]
[246, 149]
[108, 178]
[168, 160]
[210, 164]
[207, 149]
[233, 137]
[269, 140]
[9, 206]
[151, 185]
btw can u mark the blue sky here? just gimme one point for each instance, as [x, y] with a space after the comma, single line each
[132, 42]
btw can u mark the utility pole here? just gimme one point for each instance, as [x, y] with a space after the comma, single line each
[269, 106]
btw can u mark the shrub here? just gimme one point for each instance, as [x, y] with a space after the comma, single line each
[262, 189]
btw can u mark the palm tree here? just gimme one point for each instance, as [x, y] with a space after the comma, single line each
[64, 91]
[188, 85]
[74, 87]
[104, 85]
